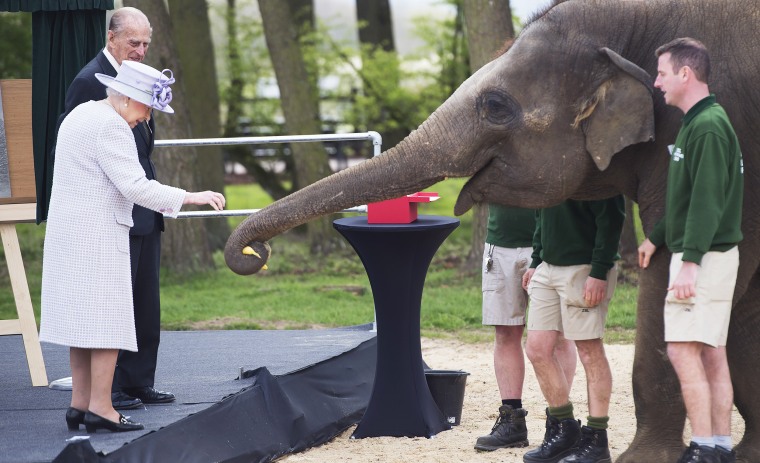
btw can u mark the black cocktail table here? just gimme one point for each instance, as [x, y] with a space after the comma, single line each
[396, 258]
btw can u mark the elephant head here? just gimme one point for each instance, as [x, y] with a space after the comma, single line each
[534, 126]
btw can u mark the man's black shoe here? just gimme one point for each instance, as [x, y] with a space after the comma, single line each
[593, 447]
[122, 401]
[150, 395]
[560, 439]
[699, 454]
[508, 432]
[725, 455]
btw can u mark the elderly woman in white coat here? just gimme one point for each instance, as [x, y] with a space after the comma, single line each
[86, 279]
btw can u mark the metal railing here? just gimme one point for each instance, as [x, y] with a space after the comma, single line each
[377, 142]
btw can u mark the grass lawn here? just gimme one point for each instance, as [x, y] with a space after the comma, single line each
[303, 291]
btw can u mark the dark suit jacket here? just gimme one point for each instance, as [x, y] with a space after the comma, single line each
[86, 87]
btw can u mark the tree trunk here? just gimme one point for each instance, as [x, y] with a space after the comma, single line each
[376, 26]
[489, 26]
[192, 37]
[234, 99]
[185, 242]
[300, 107]
[304, 21]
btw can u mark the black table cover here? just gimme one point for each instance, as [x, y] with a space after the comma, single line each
[396, 258]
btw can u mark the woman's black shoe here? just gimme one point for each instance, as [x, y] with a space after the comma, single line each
[93, 422]
[74, 418]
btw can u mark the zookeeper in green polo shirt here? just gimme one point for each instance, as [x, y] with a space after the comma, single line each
[701, 227]
[571, 281]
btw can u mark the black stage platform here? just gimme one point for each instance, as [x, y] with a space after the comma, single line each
[300, 389]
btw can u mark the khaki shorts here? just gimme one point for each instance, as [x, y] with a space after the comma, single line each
[705, 317]
[557, 304]
[504, 299]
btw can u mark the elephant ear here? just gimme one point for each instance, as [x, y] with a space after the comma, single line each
[620, 113]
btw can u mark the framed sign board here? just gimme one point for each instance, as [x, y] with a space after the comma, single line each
[16, 118]
[17, 204]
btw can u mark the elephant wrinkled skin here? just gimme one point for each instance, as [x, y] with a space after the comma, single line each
[568, 111]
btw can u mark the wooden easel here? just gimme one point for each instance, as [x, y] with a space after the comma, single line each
[20, 208]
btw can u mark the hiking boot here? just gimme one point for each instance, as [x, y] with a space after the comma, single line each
[699, 454]
[509, 431]
[560, 439]
[592, 448]
[725, 455]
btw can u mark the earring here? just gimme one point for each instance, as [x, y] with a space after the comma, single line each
[126, 104]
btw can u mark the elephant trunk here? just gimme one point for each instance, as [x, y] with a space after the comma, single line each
[395, 173]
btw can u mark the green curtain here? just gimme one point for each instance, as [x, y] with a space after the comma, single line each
[66, 35]
[54, 5]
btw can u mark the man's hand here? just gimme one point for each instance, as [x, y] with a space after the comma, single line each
[645, 253]
[526, 278]
[594, 291]
[685, 284]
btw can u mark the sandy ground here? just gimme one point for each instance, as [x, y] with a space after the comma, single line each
[480, 410]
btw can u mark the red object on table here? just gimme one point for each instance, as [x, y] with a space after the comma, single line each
[399, 210]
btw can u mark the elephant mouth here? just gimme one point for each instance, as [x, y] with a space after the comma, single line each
[474, 191]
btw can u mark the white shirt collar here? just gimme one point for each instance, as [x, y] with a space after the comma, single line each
[111, 59]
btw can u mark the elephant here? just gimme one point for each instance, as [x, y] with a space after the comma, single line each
[569, 111]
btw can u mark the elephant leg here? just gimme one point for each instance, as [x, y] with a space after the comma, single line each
[660, 413]
[743, 349]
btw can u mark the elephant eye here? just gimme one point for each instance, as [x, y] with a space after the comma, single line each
[498, 108]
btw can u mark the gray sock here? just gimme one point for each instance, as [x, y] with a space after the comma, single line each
[704, 441]
[723, 441]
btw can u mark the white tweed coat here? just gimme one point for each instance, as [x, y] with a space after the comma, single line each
[86, 277]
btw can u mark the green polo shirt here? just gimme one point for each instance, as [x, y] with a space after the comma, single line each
[510, 227]
[703, 205]
[580, 232]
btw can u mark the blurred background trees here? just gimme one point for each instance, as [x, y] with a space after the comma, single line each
[349, 85]
[272, 67]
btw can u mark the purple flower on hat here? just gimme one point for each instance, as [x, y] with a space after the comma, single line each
[162, 93]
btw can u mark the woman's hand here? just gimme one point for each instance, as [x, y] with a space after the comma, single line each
[201, 198]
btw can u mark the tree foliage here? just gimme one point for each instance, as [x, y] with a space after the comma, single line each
[15, 45]
[448, 41]
[378, 89]
[388, 92]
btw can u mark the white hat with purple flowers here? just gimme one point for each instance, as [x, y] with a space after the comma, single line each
[142, 83]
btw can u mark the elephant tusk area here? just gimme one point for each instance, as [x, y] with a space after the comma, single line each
[248, 251]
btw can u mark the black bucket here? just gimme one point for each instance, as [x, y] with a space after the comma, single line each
[447, 389]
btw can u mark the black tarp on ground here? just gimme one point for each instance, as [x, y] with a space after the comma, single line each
[271, 418]
[200, 367]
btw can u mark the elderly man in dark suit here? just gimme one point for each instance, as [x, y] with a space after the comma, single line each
[129, 35]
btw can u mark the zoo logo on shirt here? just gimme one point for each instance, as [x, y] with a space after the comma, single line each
[677, 154]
